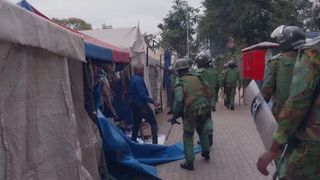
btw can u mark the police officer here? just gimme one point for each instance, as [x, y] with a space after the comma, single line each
[278, 72]
[222, 85]
[211, 78]
[298, 121]
[210, 75]
[231, 78]
[191, 98]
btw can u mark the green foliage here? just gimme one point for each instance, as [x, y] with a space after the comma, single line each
[174, 28]
[232, 24]
[106, 26]
[73, 23]
[149, 38]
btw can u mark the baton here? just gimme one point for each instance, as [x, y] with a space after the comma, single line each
[239, 97]
[276, 173]
[169, 132]
[176, 116]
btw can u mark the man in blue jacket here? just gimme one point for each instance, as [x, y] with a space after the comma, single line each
[139, 101]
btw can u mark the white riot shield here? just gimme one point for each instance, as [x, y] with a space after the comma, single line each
[261, 113]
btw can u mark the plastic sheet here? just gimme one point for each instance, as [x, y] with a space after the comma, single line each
[126, 157]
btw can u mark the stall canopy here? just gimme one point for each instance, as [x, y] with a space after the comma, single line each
[263, 45]
[253, 60]
[94, 48]
[45, 133]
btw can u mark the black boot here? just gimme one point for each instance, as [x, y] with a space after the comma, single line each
[232, 108]
[210, 139]
[187, 166]
[213, 108]
[206, 155]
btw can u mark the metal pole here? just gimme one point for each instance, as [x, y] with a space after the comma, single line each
[147, 57]
[161, 83]
[188, 45]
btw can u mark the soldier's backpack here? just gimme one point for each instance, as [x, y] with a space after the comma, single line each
[196, 93]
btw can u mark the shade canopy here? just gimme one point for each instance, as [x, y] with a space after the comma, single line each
[94, 48]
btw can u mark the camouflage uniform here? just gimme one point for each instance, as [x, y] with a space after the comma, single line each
[170, 91]
[299, 119]
[212, 79]
[190, 99]
[223, 73]
[277, 80]
[231, 78]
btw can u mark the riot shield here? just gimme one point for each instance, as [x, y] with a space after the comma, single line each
[261, 114]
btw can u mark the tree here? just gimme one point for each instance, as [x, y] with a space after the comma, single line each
[105, 26]
[174, 28]
[246, 22]
[294, 12]
[149, 38]
[232, 24]
[73, 23]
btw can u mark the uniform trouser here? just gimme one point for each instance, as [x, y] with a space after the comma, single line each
[230, 95]
[146, 113]
[208, 126]
[213, 103]
[170, 93]
[215, 98]
[303, 162]
[191, 123]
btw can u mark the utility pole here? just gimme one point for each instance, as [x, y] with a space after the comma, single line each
[188, 42]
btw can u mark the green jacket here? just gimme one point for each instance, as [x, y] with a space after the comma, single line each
[231, 77]
[277, 81]
[277, 78]
[212, 78]
[300, 115]
[191, 95]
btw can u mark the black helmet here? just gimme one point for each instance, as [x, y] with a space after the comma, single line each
[316, 13]
[289, 37]
[181, 64]
[231, 64]
[202, 59]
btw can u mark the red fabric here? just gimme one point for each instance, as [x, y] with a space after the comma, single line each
[259, 62]
[118, 55]
[253, 64]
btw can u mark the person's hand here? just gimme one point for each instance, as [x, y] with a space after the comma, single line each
[264, 160]
[157, 104]
[174, 121]
[116, 117]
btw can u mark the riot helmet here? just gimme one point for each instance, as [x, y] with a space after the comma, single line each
[182, 64]
[231, 64]
[316, 13]
[202, 60]
[190, 62]
[289, 37]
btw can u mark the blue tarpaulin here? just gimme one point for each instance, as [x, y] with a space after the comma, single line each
[121, 104]
[167, 64]
[126, 158]
[95, 52]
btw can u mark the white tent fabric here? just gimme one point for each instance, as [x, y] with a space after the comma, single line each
[23, 27]
[45, 133]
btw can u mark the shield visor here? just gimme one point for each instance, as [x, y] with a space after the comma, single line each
[277, 33]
